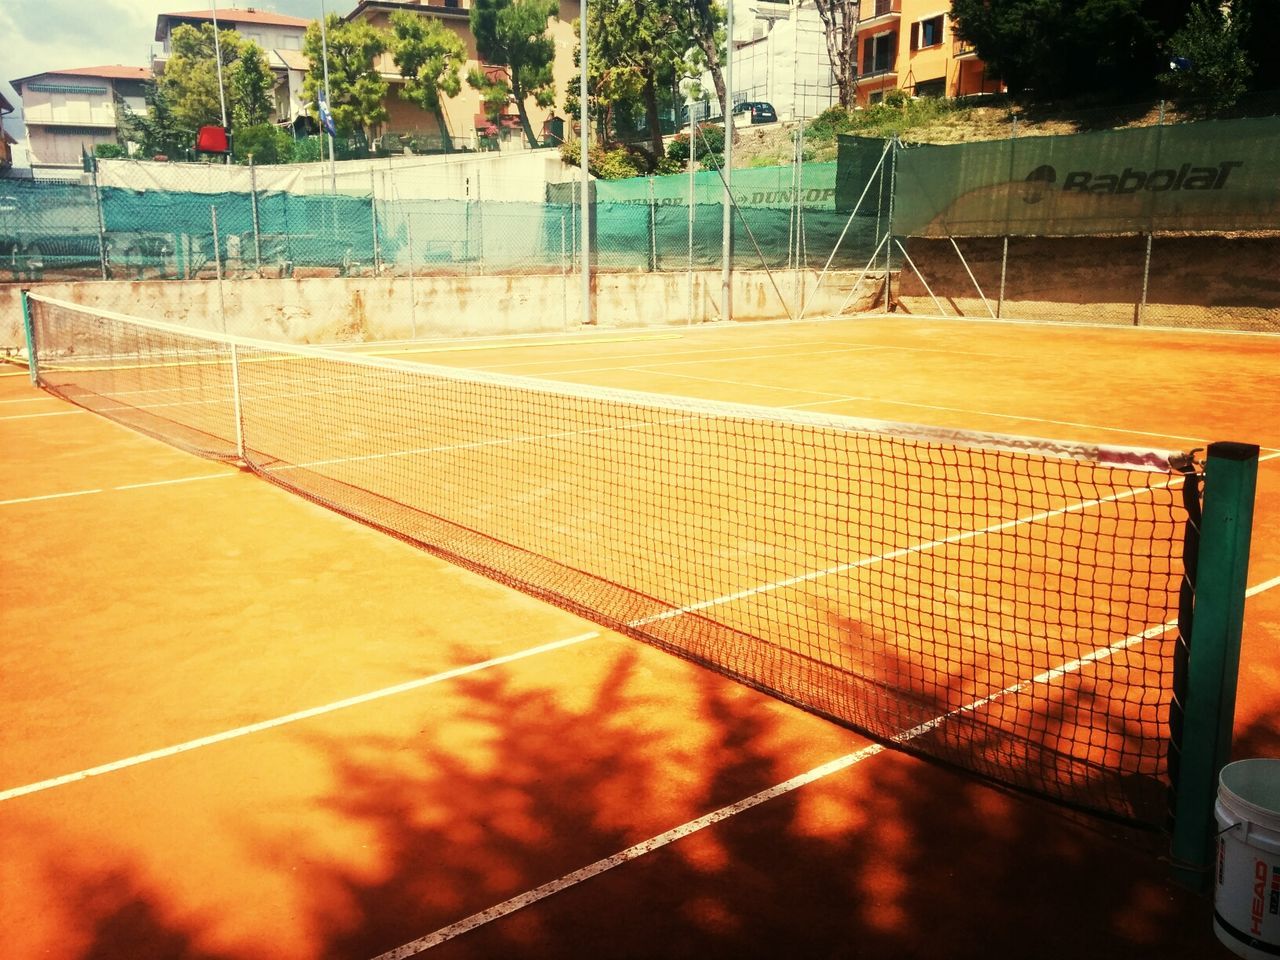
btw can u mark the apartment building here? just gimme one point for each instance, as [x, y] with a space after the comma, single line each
[911, 45]
[464, 114]
[6, 141]
[280, 38]
[69, 112]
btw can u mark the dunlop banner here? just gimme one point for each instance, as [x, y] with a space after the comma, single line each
[1200, 177]
[772, 187]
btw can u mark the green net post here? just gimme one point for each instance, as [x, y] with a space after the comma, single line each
[1208, 697]
[29, 331]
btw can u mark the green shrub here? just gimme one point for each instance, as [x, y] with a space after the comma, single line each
[678, 149]
[266, 142]
[109, 151]
[829, 122]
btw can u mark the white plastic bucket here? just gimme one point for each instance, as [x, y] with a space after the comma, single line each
[1246, 903]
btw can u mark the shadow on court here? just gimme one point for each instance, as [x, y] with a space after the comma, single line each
[893, 858]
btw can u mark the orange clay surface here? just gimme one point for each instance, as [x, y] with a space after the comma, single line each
[150, 600]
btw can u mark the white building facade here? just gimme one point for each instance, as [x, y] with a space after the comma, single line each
[279, 36]
[780, 57]
[69, 112]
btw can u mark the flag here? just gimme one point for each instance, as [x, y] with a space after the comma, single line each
[326, 118]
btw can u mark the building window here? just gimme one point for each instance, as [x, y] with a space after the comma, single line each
[926, 33]
[293, 43]
[879, 53]
[932, 88]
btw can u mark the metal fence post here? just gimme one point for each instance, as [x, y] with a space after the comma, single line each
[479, 224]
[1141, 306]
[413, 297]
[257, 230]
[1004, 265]
[217, 266]
[653, 229]
[102, 224]
[373, 212]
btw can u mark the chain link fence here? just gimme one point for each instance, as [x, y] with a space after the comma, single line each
[450, 240]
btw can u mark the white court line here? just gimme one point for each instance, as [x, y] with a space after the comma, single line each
[530, 897]
[123, 486]
[308, 714]
[49, 496]
[960, 537]
[41, 399]
[55, 413]
[739, 352]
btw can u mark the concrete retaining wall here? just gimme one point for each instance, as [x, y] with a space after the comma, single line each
[322, 310]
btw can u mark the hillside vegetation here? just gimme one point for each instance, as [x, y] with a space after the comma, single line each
[956, 121]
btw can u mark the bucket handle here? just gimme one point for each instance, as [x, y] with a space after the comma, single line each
[1231, 826]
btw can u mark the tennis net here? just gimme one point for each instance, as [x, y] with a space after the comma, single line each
[1003, 605]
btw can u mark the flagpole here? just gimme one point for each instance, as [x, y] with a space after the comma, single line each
[217, 55]
[324, 52]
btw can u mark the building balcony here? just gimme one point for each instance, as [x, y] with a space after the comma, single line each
[106, 124]
[876, 13]
[877, 76]
[961, 49]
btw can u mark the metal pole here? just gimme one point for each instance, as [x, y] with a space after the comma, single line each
[102, 226]
[324, 54]
[974, 280]
[480, 223]
[726, 267]
[373, 211]
[1141, 308]
[413, 297]
[217, 56]
[236, 407]
[257, 233]
[1004, 263]
[888, 253]
[564, 273]
[692, 205]
[802, 260]
[583, 118]
[1204, 709]
[653, 230]
[217, 266]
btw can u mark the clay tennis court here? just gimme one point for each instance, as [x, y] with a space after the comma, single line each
[241, 725]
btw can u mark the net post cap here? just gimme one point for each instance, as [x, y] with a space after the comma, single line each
[1231, 450]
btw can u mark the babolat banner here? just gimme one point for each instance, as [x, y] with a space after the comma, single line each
[1212, 176]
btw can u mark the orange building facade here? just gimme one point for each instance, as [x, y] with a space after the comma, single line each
[911, 45]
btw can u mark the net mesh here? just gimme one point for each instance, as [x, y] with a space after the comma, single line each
[996, 605]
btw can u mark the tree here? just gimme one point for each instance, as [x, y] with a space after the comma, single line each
[356, 88]
[1210, 61]
[513, 33]
[252, 82]
[840, 28]
[159, 132]
[190, 80]
[704, 23]
[635, 48]
[429, 56]
[1260, 20]
[1054, 48]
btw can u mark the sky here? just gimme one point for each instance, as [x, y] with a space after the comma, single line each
[44, 35]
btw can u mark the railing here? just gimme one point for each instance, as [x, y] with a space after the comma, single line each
[881, 8]
[962, 48]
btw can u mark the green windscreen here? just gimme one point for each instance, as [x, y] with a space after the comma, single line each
[1202, 177]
